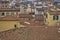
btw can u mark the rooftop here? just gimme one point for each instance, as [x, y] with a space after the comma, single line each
[25, 16]
[31, 33]
[53, 11]
[8, 18]
[32, 22]
[4, 1]
[9, 9]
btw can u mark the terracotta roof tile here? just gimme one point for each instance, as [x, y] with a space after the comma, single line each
[25, 16]
[32, 23]
[31, 33]
[54, 12]
[39, 17]
[9, 9]
[8, 18]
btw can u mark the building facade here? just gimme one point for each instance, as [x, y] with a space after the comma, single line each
[9, 22]
[9, 11]
[38, 7]
[4, 4]
[52, 17]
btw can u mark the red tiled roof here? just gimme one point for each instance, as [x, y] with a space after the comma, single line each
[8, 18]
[25, 16]
[32, 23]
[39, 8]
[48, 7]
[54, 12]
[31, 33]
[9, 9]
[39, 17]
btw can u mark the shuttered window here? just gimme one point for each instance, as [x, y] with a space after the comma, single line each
[55, 17]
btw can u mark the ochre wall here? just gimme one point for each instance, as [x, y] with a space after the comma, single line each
[7, 25]
[50, 20]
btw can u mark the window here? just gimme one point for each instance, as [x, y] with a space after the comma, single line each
[6, 6]
[15, 26]
[39, 12]
[17, 13]
[55, 17]
[3, 6]
[7, 13]
[12, 13]
[46, 15]
[45, 20]
[2, 14]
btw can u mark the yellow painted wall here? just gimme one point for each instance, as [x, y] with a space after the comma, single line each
[29, 10]
[51, 21]
[9, 13]
[7, 25]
